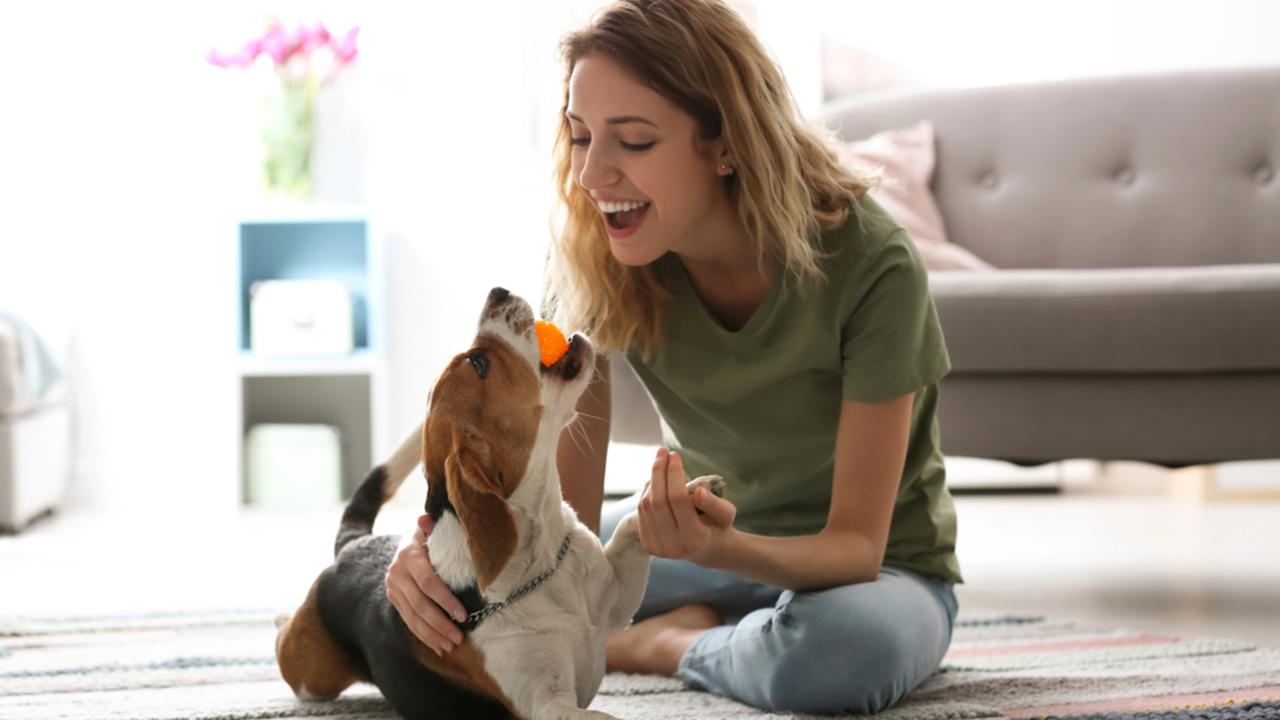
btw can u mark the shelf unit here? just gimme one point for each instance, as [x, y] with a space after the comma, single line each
[345, 391]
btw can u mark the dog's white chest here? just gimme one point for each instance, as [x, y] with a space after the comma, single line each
[564, 622]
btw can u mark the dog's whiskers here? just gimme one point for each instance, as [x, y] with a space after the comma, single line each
[575, 427]
[574, 435]
[586, 436]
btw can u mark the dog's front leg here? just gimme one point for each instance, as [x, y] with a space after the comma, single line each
[630, 562]
[539, 678]
[630, 565]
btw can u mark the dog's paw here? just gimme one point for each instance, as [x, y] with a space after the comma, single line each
[713, 483]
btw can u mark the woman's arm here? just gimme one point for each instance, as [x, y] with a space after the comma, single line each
[584, 447]
[871, 449]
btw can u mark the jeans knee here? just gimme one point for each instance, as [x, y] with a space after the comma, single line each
[859, 669]
[802, 689]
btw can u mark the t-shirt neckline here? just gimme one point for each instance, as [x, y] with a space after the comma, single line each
[758, 316]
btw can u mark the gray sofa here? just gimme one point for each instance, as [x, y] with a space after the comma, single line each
[1135, 225]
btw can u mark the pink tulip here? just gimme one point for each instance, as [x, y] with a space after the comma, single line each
[243, 58]
[312, 38]
[251, 51]
[275, 42]
[282, 45]
[346, 50]
[216, 58]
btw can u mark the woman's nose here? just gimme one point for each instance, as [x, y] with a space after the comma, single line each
[598, 169]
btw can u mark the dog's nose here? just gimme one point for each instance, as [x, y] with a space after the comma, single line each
[497, 295]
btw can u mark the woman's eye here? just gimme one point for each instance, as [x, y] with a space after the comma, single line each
[633, 147]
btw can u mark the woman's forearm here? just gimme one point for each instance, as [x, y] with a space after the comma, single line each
[582, 475]
[584, 448]
[806, 562]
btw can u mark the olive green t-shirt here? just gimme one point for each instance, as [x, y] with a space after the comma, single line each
[761, 405]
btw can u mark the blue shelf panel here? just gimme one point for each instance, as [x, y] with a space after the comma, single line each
[307, 249]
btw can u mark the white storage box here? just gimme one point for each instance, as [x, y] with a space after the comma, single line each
[300, 317]
[293, 465]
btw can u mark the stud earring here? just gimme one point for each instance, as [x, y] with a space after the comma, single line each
[726, 169]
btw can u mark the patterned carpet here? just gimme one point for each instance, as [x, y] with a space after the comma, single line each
[220, 666]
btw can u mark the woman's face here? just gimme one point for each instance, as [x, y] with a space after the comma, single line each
[638, 158]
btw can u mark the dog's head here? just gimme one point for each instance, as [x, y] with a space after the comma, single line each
[494, 423]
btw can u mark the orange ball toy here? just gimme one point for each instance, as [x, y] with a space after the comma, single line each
[551, 342]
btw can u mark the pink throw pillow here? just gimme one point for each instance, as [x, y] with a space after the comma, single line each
[904, 160]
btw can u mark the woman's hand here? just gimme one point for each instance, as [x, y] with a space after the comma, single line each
[670, 526]
[418, 594]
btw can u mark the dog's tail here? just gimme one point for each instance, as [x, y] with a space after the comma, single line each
[378, 487]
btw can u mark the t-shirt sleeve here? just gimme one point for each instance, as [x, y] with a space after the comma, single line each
[891, 341]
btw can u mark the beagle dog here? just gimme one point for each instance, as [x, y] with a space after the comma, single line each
[542, 592]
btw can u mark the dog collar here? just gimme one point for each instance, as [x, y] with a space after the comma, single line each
[474, 618]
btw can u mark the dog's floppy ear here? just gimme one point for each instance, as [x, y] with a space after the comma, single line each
[481, 506]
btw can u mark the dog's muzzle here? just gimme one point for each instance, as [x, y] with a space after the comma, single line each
[573, 360]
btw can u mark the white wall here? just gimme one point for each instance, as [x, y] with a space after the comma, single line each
[460, 130]
[115, 180]
[986, 42]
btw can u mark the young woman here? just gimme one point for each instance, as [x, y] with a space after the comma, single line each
[782, 324]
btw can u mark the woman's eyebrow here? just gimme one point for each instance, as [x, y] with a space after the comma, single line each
[621, 120]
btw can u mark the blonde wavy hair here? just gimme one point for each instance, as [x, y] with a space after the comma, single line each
[789, 182]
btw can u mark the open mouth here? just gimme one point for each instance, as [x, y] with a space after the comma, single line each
[573, 360]
[625, 222]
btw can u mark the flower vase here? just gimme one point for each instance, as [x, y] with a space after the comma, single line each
[288, 134]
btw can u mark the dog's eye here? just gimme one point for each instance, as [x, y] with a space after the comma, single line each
[480, 363]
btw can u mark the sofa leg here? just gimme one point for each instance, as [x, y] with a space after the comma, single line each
[1202, 483]
[1195, 484]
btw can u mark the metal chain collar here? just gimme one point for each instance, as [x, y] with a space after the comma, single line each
[474, 618]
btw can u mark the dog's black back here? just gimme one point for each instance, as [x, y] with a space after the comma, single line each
[353, 605]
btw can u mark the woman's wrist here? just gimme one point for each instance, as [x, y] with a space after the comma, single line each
[797, 562]
[718, 553]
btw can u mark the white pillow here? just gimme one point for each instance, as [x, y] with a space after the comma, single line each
[904, 159]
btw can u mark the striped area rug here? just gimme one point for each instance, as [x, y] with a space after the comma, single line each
[219, 666]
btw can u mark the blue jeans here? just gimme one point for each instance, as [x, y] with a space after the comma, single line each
[856, 648]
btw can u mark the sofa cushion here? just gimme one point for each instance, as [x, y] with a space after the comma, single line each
[903, 159]
[1113, 320]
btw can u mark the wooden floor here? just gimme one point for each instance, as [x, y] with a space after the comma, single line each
[1151, 563]
[1120, 553]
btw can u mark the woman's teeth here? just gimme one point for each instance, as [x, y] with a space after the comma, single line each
[613, 207]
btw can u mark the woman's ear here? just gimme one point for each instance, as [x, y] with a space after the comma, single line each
[716, 152]
[725, 164]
